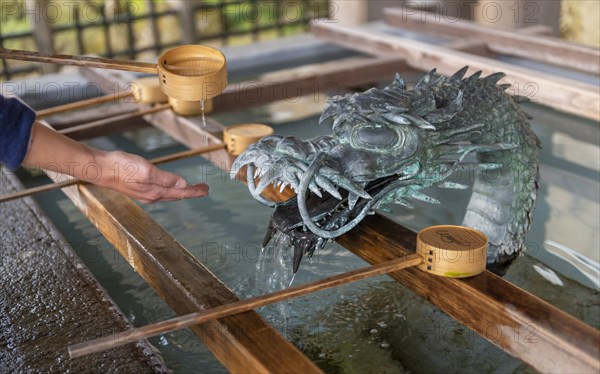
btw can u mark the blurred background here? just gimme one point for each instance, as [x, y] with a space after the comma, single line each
[141, 29]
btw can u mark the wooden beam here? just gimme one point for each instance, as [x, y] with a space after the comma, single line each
[83, 132]
[192, 132]
[523, 325]
[248, 94]
[244, 342]
[83, 104]
[512, 42]
[41, 27]
[108, 125]
[70, 119]
[563, 94]
[331, 79]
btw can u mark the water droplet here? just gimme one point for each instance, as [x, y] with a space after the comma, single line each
[382, 324]
[384, 345]
[203, 117]
[163, 341]
[373, 331]
[292, 281]
[322, 355]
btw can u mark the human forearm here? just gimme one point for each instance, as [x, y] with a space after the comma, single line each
[123, 172]
[50, 150]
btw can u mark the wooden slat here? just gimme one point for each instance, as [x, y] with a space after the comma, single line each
[564, 94]
[82, 132]
[252, 93]
[512, 42]
[192, 133]
[244, 342]
[523, 325]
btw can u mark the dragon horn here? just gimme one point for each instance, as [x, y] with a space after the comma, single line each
[494, 78]
[459, 75]
[424, 82]
[399, 81]
[475, 76]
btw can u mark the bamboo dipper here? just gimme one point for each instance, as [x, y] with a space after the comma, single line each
[451, 251]
[189, 75]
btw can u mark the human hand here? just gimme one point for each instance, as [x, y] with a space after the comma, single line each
[129, 174]
[137, 178]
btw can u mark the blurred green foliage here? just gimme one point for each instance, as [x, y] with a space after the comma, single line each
[243, 21]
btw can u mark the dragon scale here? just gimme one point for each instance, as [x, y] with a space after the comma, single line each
[390, 144]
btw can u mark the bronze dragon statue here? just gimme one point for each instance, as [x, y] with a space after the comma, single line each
[390, 144]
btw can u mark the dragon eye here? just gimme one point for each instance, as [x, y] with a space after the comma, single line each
[375, 137]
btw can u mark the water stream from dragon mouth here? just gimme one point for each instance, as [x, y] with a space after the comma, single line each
[274, 272]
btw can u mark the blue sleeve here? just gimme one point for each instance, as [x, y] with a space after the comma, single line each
[16, 122]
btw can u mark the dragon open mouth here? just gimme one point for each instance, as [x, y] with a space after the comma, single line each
[330, 217]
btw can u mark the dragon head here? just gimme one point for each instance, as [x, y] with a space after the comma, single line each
[387, 145]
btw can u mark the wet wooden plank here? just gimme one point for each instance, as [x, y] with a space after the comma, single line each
[512, 42]
[523, 325]
[244, 342]
[561, 93]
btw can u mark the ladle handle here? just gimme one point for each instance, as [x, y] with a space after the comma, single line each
[181, 322]
[95, 62]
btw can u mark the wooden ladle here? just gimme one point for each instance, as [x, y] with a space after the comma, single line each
[188, 73]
